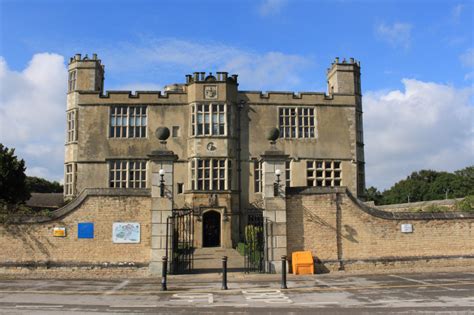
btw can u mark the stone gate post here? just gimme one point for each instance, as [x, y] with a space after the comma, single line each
[161, 169]
[274, 200]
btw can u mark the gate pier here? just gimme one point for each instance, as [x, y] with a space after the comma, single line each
[161, 167]
[274, 183]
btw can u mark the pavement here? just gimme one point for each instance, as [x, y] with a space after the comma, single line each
[408, 293]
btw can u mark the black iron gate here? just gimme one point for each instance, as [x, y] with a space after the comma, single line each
[255, 234]
[181, 231]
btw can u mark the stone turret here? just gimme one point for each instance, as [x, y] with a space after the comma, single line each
[344, 77]
[85, 74]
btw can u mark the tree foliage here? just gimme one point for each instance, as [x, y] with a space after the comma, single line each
[41, 185]
[13, 187]
[426, 185]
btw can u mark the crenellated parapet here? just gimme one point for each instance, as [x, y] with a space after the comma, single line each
[283, 97]
[138, 97]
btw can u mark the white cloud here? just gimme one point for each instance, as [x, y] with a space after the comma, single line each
[271, 7]
[426, 126]
[467, 58]
[397, 34]
[139, 86]
[271, 69]
[456, 12]
[32, 113]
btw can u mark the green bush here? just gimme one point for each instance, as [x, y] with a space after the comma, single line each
[435, 208]
[241, 248]
[11, 212]
[467, 204]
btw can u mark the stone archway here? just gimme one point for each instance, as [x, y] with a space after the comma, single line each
[211, 229]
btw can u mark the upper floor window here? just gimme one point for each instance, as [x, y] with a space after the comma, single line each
[211, 174]
[323, 173]
[127, 174]
[72, 125]
[128, 122]
[257, 176]
[209, 120]
[360, 134]
[70, 179]
[297, 122]
[71, 81]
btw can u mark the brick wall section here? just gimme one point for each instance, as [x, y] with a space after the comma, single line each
[34, 243]
[312, 226]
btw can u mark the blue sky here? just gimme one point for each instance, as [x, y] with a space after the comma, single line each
[416, 56]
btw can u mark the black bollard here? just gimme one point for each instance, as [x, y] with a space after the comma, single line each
[283, 272]
[224, 273]
[163, 273]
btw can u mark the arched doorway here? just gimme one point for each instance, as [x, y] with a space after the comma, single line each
[211, 229]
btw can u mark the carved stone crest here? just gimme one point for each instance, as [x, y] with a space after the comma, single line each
[213, 200]
[210, 92]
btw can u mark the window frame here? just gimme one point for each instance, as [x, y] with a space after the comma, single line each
[210, 123]
[72, 81]
[257, 176]
[128, 171]
[207, 173]
[71, 126]
[70, 179]
[294, 122]
[323, 171]
[127, 116]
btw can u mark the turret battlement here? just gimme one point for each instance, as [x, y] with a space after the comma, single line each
[78, 57]
[198, 77]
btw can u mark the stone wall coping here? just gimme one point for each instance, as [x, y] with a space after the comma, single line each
[443, 202]
[76, 202]
[387, 215]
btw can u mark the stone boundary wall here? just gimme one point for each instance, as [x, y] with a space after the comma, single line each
[414, 206]
[30, 243]
[344, 233]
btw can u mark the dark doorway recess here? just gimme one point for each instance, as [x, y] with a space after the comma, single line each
[211, 223]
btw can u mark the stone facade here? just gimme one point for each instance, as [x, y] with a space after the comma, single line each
[206, 148]
[218, 135]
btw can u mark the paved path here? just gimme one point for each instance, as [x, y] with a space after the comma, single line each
[324, 294]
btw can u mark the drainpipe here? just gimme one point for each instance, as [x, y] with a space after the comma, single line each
[240, 106]
[339, 231]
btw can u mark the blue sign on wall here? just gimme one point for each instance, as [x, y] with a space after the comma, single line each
[85, 230]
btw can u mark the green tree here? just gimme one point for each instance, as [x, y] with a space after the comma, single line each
[372, 194]
[431, 185]
[12, 177]
[41, 185]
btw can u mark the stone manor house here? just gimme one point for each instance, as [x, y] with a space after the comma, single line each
[218, 160]
[203, 170]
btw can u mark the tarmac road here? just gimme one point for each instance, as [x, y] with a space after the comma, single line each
[421, 293]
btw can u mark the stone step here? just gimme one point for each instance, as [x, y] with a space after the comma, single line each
[210, 259]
